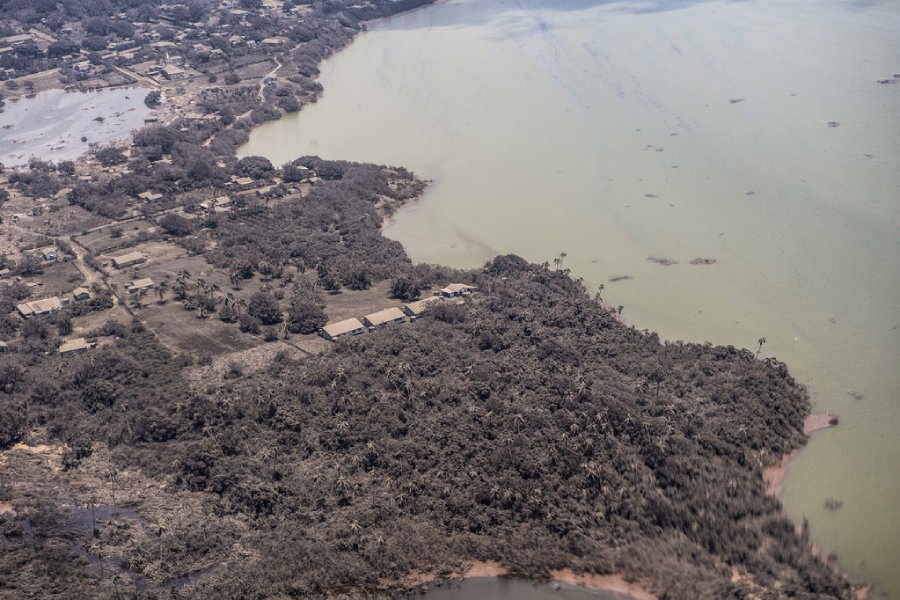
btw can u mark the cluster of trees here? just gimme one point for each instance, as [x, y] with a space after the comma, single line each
[335, 229]
[529, 427]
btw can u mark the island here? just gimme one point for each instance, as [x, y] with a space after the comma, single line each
[219, 380]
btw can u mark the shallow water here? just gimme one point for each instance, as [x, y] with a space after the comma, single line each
[493, 588]
[753, 133]
[50, 125]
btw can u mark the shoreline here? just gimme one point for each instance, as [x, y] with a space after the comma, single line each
[774, 475]
[491, 569]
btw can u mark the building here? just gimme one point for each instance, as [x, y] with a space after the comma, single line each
[128, 260]
[220, 203]
[141, 284]
[81, 293]
[342, 328]
[18, 40]
[457, 289]
[244, 183]
[4, 347]
[49, 253]
[415, 309]
[74, 346]
[150, 196]
[37, 308]
[171, 72]
[384, 317]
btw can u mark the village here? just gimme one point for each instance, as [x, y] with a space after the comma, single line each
[89, 277]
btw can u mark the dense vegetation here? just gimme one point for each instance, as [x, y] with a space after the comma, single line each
[529, 427]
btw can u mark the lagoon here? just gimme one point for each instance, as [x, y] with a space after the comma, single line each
[754, 134]
[50, 125]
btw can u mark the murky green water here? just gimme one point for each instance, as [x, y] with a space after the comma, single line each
[753, 133]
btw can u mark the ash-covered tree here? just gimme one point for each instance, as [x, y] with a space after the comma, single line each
[404, 288]
[264, 307]
[153, 98]
[176, 225]
[257, 167]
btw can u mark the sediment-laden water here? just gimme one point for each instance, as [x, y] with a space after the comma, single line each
[754, 134]
[50, 125]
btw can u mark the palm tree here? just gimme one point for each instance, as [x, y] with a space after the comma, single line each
[265, 269]
[181, 284]
[235, 278]
[139, 298]
[161, 290]
[760, 341]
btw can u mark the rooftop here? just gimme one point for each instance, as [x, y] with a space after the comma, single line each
[385, 316]
[343, 327]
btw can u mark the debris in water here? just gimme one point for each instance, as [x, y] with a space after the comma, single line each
[650, 196]
[620, 278]
[833, 124]
[833, 503]
[736, 100]
[703, 261]
[855, 395]
[666, 262]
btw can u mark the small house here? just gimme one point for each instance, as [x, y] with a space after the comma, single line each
[341, 328]
[74, 346]
[457, 289]
[4, 347]
[128, 260]
[81, 293]
[384, 317]
[138, 285]
[171, 72]
[244, 183]
[150, 196]
[39, 307]
[49, 253]
[416, 309]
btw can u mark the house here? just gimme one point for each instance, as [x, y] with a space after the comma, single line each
[342, 328]
[81, 293]
[220, 203]
[49, 253]
[150, 196]
[39, 307]
[171, 72]
[4, 347]
[274, 42]
[415, 309]
[18, 40]
[457, 289]
[244, 183]
[128, 260]
[138, 285]
[74, 346]
[384, 317]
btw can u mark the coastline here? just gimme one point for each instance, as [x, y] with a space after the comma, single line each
[775, 474]
[491, 569]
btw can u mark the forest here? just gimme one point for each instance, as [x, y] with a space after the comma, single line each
[529, 427]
